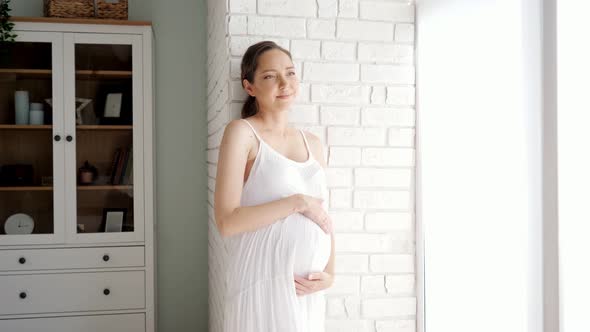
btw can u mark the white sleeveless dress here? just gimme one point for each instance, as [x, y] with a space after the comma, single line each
[260, 284]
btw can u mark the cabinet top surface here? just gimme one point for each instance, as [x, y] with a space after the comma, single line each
[80, 21]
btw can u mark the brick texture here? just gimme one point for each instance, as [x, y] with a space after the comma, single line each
[355, 61]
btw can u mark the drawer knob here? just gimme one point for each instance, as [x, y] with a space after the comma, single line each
[106, 258]
[106, 291]
[22, 260]
[23, 295]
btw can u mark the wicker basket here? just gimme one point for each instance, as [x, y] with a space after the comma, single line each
[114, 9]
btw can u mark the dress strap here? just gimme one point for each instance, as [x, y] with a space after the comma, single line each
[254, 130]
[306, 144]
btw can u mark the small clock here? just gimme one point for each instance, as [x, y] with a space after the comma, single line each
[19, 223]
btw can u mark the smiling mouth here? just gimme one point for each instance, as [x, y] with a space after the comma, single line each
[284, 96]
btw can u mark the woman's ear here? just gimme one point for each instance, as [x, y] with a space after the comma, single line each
[248, 87]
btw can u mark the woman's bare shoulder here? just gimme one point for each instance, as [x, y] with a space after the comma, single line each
[238, 136]
[312, 138]
[238, 130]
[316, 146]
[236, 125]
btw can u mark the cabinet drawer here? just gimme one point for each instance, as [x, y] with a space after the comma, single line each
[49, 293]
[99, 323]
[70, 258]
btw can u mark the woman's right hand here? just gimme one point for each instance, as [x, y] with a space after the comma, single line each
[311, 207]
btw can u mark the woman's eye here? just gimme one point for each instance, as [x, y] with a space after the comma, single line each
[268, 76]
[292, 73]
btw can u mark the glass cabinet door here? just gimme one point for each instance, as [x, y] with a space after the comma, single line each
[31, 140]
[103, 117]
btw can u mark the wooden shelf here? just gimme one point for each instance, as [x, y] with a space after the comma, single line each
[104, 127]
[106, 187]
[103, 73]
[50, 188]
[27, 72]
[84, 74]
[79, 127]
[25, 127]
[27, 188]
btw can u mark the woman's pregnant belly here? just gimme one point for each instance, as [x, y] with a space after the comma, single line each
[293, 245]
[311, 245]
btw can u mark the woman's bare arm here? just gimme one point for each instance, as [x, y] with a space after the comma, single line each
[231, 218]
[249, 218]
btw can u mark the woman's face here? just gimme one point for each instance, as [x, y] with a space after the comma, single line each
[275, 83]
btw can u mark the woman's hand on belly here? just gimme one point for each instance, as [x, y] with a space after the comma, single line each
[312, 208]
[315, 282]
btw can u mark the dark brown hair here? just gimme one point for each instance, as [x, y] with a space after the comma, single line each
[248, 67]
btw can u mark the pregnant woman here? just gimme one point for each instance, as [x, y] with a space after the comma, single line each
[271, 206]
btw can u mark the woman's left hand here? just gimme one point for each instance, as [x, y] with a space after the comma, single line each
[314, 282]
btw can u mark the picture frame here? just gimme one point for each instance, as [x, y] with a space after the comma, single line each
[112, 107]
[113, 219]
[114, 104]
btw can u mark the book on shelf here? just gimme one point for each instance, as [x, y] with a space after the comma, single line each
[114, 164]
[122, 165]
[121, 168]
[128, 170]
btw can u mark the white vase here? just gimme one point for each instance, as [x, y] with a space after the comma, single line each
[36, 117]
[21, 107]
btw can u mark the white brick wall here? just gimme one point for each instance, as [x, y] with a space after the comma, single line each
[321, 29]
[386, 11]
[355, 59]
[276, 26]
[335, 72]
[364, 30]
[332, 50]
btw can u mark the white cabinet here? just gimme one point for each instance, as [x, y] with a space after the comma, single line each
[100, 323]
[71, 292]
[77, 177]
[71, 258]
